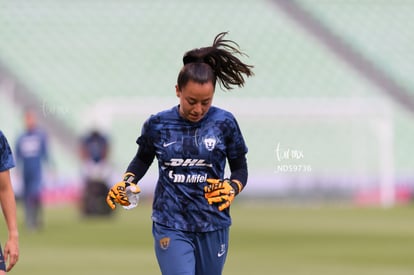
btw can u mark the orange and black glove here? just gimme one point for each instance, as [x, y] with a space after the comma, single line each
[117, 194]
[222, 192]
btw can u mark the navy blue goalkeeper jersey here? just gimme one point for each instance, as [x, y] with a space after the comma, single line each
[188, 153]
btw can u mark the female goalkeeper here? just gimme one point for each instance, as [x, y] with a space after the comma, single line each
[192, 142]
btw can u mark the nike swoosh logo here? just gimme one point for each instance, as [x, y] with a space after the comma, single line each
[168, 144]
[221, 253]
[222, 250]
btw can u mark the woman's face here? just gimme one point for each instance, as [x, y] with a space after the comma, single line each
[195, 100]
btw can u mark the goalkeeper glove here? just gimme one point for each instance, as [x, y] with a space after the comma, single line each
[117, 194]
[222, 192]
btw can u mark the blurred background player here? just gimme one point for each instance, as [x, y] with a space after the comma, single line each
[94, 151]
[31, 155]
[192, 142]
[8, 206]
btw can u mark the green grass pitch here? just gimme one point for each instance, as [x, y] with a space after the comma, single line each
[264, 239]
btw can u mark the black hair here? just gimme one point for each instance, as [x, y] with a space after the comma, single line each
[215, 62]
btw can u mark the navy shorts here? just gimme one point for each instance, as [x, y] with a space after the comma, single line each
[190, 253]
[2, 262]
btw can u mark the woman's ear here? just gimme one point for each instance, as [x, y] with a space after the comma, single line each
[177, 91]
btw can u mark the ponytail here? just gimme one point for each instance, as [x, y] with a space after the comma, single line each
[218, 61]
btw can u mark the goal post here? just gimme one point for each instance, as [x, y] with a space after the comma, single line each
[292, 141]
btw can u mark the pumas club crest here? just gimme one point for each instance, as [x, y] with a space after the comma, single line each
[210, 143]
[165, 243]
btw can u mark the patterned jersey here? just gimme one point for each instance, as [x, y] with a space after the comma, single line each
[188, 153]
[6, 157]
